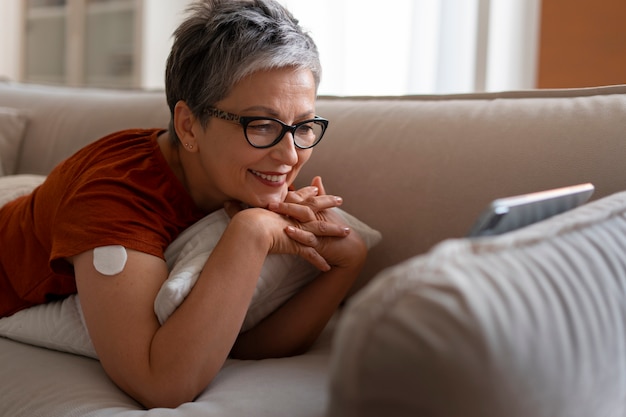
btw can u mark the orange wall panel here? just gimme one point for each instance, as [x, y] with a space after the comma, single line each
[582, 43]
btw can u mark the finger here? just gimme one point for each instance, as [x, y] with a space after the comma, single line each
[323, 202]
[300, 212]
[312, 204]
[307, 210]
[327, 201]
[326, 229]
[302, 194]
[317, 182]
[307, 250]
[302, 236]
[314, 258]
[308, 233]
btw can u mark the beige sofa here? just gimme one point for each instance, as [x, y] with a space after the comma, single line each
[418, 169]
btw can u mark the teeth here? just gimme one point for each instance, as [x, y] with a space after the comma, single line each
[273, 178]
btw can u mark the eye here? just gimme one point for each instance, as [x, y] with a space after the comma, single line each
[264, 126]
[306, 129]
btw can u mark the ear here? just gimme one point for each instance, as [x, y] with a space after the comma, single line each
[185, 126]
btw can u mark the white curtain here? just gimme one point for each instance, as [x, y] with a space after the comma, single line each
[10, 37]
[369, 47]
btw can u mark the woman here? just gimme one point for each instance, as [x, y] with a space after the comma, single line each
[241, 83]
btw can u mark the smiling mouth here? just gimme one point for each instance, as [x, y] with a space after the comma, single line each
[272, 178]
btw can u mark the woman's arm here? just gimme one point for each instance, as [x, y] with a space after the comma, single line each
[170, 364]
[295, 326]
[167, 365]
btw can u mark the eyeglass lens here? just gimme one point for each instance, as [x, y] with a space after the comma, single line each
[265, 132]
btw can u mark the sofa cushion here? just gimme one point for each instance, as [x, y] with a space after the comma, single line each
[12, 126]
[530, 323]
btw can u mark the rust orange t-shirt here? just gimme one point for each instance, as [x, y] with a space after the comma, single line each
[118, 190]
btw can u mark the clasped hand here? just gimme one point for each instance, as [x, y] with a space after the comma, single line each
[308, 228]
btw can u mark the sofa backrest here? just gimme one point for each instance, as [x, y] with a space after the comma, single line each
[419, 169]
[61, 119]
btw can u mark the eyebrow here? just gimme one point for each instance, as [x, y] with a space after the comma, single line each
[274, 114]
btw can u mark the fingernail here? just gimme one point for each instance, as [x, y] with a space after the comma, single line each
[316, 190]
[339, 200]
[291, 229]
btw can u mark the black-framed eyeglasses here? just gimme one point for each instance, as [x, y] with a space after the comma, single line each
[265, 132]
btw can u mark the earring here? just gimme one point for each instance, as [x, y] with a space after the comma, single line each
[188, 146]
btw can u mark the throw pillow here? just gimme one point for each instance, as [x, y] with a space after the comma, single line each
[529, 323]
[56, 325]
[14, 186]
[280, 278]
[12, 127]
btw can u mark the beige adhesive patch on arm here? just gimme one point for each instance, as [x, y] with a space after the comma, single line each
[110, 260]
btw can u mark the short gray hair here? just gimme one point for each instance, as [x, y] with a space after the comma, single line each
[223, 41]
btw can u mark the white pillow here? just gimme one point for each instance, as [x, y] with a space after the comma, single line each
[280, 278]
[530, 323]
[12, 127]
[59, 325]
[56, 325]
[14, 186]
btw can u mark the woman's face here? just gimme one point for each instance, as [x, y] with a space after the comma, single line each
[237, 171]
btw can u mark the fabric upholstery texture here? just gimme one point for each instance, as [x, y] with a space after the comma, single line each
[432, 161]
[44, 383]
[530, 323]
[427, 166]
[419, 169]
[12, 127]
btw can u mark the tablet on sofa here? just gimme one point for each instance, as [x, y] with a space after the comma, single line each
[510, 213]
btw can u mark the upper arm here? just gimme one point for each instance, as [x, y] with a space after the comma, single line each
[119, 312]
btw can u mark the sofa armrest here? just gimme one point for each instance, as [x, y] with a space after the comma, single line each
[531, 323]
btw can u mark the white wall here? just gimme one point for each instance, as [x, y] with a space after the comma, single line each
[10, 38]
[161, 17]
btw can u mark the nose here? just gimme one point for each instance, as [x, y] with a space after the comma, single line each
[285, 151]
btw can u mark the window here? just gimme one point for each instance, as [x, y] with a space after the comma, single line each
[368, 47]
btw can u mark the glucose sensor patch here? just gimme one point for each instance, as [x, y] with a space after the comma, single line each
[110, 260]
